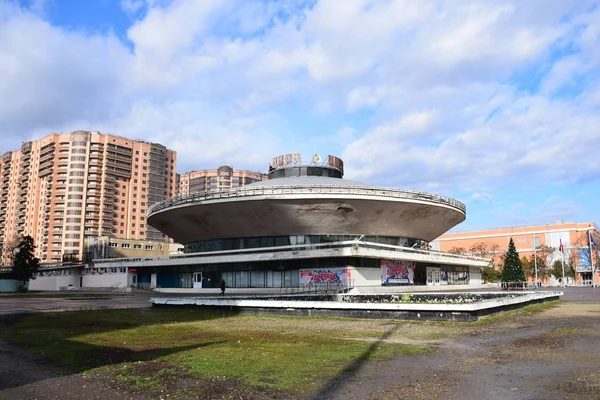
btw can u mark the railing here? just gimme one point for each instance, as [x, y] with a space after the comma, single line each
[320, 246]
[249, 191]
[518, 285]
[319, 287]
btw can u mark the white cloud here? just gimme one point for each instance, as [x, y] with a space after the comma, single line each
[49, 76]
[444, 96]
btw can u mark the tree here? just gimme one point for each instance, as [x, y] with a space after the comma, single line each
[457, 250]
[557, 270]
[513, 270]
[8, 249]
[25, 264]
[528, 266]
[489, 274]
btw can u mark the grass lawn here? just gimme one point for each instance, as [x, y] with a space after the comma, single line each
[154, 349]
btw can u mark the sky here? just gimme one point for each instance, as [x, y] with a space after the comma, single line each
[495, 103]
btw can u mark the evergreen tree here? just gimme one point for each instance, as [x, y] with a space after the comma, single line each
[25, 264]
[513, 270]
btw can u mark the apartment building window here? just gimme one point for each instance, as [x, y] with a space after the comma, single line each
[137, 246]
[77, 166]
[76, 181]
[125, 245]
[74, 204]
[149, 247]
[73, 212]
[121, 232]
[77, 158]
[75, 197]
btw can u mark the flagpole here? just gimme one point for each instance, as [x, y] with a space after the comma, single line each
[563, 267]
[534, 261]
[591, 256]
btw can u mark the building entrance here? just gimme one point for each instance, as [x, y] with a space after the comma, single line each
[197, 280]
[434, 276]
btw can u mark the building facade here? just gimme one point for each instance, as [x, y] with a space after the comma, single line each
[305, 226]
[574, 238]
[67, 188]
[222, 178]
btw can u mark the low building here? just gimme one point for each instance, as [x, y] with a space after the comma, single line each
[572, 238]
[304, 227]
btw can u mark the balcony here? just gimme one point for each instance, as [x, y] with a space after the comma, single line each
[59, 201]
[119, 157]
[108, 200]
[96, 170]
[92, 200]
[94, 178]
[94, 185]
[60, 185]
[61, 170]
[57, 224]
[49, 148]
[95, 163]
[121, 150]
[91, 224]
[62, 163]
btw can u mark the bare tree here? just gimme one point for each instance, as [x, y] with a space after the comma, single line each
[457, 250]
[8, 250]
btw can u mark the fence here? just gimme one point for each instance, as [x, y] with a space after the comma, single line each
[518, 285]
[320, 287]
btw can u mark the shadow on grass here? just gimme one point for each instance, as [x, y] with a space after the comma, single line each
[81, 357]
[37, 343]
[337, 383]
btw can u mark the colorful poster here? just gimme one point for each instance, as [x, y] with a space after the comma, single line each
[339, 276]
[584, 261]
[396, 272]
[95, 248]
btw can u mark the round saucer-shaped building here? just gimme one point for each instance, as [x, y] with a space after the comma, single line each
[306, 225]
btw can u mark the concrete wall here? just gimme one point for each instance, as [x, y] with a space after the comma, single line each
[366, 276]
[475, 276]
[54, 282]
[105, 280]
[9, 285]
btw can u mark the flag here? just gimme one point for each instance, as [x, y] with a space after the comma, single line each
[561, 247]
[591, 238]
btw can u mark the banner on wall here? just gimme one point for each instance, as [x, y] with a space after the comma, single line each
[584, 261]
[396, 272]
[95, 248]
[339, 276]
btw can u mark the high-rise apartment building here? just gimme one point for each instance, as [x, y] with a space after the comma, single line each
[66, 188]
[224, 177]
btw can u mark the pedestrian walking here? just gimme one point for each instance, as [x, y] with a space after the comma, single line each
[223, 286]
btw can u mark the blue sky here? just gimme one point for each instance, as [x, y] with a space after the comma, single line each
[493, 103]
